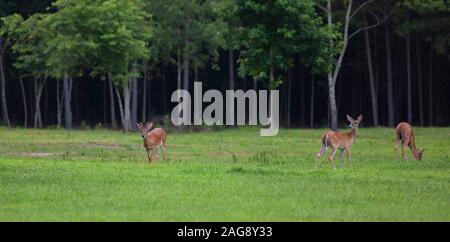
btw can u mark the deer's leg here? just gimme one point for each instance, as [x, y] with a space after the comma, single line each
[322, 149]
[405, 144]
[331, 157]
[149, 154]
[397, 142]
[341, 157]
[347, 150]
[163, 150]
[157, 151]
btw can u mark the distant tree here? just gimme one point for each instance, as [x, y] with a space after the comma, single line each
[7, 27]
[29, 44]
[186, 32]
[68, 46]
[108, 37]
[350, 12]
[276, 31]
[430, 21]
[230, 27]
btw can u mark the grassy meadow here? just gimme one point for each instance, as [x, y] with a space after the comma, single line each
[228, 175]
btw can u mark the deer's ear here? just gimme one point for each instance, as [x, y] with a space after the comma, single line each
[139, 125]
[360, 118]
[149, 125]
[350, 119]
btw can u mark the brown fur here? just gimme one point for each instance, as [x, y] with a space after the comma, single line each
[153, 139]
[339, 140]
[405, 136]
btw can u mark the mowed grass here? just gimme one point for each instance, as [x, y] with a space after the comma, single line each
[229, 175]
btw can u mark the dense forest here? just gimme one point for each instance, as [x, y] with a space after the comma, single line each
[78, 63]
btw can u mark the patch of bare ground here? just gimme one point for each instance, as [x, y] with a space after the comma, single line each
[36, 154]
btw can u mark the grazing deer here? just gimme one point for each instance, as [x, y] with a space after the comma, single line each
[405, 135]
[153, 139]
[341, 141]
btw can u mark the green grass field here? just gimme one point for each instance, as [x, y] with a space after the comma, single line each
[230, 175]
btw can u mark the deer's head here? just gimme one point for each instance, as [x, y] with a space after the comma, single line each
[354, 123]
[418, 154]
[144, 128]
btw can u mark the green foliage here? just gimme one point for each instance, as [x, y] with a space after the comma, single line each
[188, 26]
[228, 24]
[103, 36]
[275, 31]
[9, 24]
[104, 175]
[108, 36]
[30, 38]
[430, 18]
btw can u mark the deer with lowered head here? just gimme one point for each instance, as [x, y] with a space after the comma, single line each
[339, 140]
[153, 140]
[405, 136]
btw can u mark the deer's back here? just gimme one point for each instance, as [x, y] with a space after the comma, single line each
[404, 130]
[155, 137]
[159, 133]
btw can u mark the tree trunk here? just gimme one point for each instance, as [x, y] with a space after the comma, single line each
[37, 109]
[144, 95]
[373, 90]
[45, 117]
[311, 115]
[67, 86]
[271, 80]
[185, 73]
[390, 93]
[112, 106]
[119, 101]
[134, 103]
[430, 90]
[127, 105]
[59, 104]
[149, 97]
[195, 74]
[302, 97]
[24, 99]
[38, 87]
[164, 90]
[179, 69]
[332, 100]
[408, 74]
[288, 118]
[105, 88]
[185, 80]
[332, 76]
[3, 90]
[231, 69]
[419, 81]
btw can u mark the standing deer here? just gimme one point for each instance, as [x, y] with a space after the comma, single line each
[339, 140]
[405, 135]
[153, 139]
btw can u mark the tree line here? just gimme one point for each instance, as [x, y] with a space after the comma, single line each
[115, 62]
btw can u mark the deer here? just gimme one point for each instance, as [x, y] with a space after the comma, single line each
[405, 136]
[339, 140]
[153, 139]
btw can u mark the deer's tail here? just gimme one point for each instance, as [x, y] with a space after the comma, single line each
[398, 135]
[325, 140]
